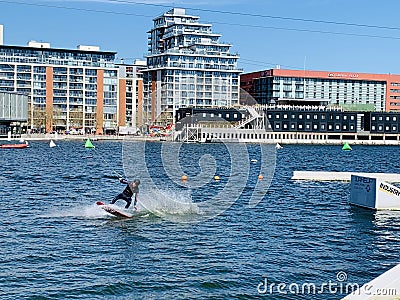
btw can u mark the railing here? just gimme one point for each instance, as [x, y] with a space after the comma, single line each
[299, 107]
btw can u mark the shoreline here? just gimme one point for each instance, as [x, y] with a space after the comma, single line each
[49, 137]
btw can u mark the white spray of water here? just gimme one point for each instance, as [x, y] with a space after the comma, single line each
[162, 203]
[168, 202]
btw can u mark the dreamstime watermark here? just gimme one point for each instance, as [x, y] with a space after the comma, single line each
[338, 286]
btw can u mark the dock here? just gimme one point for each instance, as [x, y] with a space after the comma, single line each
[342, 176]
[386, 286]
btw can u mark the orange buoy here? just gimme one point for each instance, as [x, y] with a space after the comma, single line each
[260, 177]
[184, 177]
[216, 177]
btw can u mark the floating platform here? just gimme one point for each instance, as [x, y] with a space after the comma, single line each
[386, 286]
[342, 176]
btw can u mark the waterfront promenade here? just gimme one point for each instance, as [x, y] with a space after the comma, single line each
[229, 136]
[69, 137]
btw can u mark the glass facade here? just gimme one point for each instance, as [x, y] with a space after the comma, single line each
[349, 92]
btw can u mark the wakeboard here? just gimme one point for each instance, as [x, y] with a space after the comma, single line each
[113, 210]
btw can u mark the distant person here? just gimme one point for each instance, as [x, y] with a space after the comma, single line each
[130, 189]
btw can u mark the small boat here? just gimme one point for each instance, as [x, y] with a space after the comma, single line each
[52, 144]
[278, 146]
[14, 146]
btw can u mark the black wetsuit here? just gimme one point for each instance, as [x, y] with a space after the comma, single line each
[127, 194]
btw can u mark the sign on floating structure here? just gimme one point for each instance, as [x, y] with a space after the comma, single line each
[374, 193]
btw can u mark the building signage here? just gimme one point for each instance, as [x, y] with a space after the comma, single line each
[374, 193]
[343, 75]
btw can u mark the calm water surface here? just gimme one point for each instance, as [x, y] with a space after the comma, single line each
[56, 244]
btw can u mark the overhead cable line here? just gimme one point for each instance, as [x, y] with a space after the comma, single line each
[259, 15]
[77, 8]
[213, 22]
[208, 10]
[308, 30]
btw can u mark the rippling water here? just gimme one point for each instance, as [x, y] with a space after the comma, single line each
[55, 242]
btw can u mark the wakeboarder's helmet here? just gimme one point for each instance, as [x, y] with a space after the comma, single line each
[137, 182]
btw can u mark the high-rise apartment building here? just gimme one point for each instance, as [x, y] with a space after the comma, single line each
[131, 95]
[67, 89]
[187, 66]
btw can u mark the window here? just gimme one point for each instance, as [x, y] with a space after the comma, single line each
[373, 127]
[300, 116]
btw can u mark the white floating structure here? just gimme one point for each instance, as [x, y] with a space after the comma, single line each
[341, 176]
[278, 146]
[52, 144]
[386, 286]
[374, 193]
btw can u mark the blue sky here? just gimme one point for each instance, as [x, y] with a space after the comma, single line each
[315, 34]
